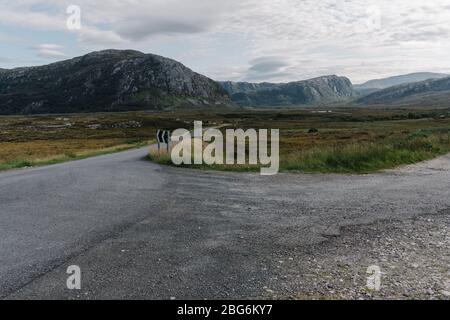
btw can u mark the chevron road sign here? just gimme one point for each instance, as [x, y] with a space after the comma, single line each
[163, 137]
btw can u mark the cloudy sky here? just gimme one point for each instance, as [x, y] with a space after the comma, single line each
[249, 40]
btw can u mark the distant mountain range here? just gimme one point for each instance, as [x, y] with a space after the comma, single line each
[424, 93]
[124, 80]
[424, 88]
[378, 84]
[327, 89]
[109, 80]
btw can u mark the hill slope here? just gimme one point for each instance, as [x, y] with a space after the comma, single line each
[325, 89]
[110, 80]
[425, 93]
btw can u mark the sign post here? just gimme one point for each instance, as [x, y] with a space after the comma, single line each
[163, 136]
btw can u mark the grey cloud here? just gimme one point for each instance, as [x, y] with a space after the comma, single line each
[267, 68]
[425, 35]
[49, 51]
[141, 28]
[100, 38]
[168, 17]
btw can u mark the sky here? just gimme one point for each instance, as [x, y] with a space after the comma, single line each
[238, 40]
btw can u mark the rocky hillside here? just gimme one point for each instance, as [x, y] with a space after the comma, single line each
[244, 87]
[109, 80]
[326, 89]
[425, 93]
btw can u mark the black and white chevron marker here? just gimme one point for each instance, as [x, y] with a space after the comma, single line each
[163, 137]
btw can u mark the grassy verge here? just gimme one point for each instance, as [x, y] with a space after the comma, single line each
[365, 157]
[354, 157]
[68, 156]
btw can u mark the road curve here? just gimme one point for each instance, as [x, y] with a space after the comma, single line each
[139, 230]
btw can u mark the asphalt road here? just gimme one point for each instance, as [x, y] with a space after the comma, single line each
[140, 230]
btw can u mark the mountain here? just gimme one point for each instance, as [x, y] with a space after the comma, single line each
[244, 87]
[109, 80]
[424, 93]
[327, 89]
[378, 84]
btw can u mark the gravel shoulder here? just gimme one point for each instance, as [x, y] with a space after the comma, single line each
[413, 256]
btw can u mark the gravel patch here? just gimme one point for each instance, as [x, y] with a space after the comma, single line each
[413, 257]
